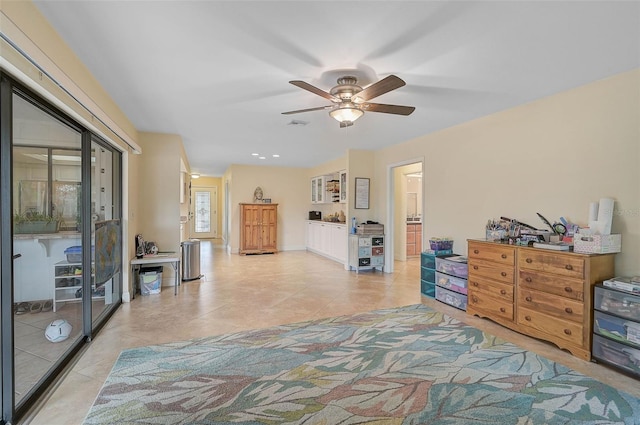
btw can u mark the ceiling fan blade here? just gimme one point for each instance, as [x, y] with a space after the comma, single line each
[314, 90]
[345, 124]
[387, 109]
[381, 87]
[319, 108]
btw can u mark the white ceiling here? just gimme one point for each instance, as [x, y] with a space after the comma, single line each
[216, 72]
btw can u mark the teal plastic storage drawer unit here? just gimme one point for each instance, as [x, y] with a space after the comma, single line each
[428, 271]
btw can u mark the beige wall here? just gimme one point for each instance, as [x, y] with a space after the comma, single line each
[159, 189]
[553, 156]
[286, 187]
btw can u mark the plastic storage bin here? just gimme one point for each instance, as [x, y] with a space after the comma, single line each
[452, 298]
[427, 288]
[612, 327]
[617, 354]
[450, 282]
[619, 303]
[456, 266]
[74, 253]
[150, 280]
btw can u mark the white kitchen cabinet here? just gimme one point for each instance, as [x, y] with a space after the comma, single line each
[318, 185]
[343, 186]
[339, 241]
[328, 239]
[330, 188]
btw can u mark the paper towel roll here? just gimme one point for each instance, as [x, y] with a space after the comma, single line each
[593, 211]
[605, 215]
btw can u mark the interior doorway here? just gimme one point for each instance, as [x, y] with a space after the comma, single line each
[405, 206]
[204, 212]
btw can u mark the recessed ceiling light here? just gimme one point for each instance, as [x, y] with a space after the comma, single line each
[275, 155]
[255, 154]
[262, 157]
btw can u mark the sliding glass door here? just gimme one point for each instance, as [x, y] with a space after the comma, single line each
[48, 275]
[61, 240]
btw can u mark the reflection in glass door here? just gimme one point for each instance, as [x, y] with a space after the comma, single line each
[48, 276]
[107, 230]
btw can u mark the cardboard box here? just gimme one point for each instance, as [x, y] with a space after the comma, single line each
[597, 244]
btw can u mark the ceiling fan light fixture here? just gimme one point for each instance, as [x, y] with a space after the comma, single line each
[346, 113]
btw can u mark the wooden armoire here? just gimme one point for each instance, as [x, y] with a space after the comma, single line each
[258, 228]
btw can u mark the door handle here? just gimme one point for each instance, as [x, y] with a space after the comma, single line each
[15, 257]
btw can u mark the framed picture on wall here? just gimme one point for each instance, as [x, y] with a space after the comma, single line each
[362, 193]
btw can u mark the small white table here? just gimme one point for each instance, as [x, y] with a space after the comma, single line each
[159, 259]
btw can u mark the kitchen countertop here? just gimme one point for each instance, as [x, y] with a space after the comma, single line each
[327, 222]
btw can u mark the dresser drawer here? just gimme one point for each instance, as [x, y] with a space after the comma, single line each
[550, 304]
[491, 270]
[562, 329]
[564, 265]
[491, 306]
[564, 287]
[364, 241]
[504, 255]
[377, 250]
[496, 290]
[364, 251]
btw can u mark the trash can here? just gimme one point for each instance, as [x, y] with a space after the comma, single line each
[150, 280]
[190, 259]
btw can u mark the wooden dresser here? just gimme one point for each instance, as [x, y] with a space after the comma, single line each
[258, 228]
[541, 293]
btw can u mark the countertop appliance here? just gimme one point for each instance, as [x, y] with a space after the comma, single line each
[315, 215]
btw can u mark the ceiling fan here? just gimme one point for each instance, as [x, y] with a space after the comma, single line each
[350, 101]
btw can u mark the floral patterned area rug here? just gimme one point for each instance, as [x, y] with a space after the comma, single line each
[407, 365]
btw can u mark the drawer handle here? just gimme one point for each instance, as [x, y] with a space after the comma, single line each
[567, 331]
[475, 267]
[527, 318]
[569, 310]
[474, 283]
[504, 256]
[529, 260]
[503, 292]
[475, 251]
[568, 289]
[474, 299]
[528, 299]
[528, 280]
[568, 267]
[503, 274]
[502, 310]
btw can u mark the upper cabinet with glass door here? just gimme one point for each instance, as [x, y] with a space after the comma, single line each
[330, 188]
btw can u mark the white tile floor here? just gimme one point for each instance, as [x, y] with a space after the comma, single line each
[247, 292]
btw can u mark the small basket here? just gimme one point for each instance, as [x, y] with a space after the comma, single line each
[441, 244]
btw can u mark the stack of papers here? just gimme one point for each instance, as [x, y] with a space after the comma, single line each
[556, 246]
[629, 284]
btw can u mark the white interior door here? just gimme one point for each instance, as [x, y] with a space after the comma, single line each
[204, 204]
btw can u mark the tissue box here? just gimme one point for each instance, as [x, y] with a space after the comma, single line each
[597, 244]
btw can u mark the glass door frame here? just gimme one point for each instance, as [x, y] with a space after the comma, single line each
[8, 88]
